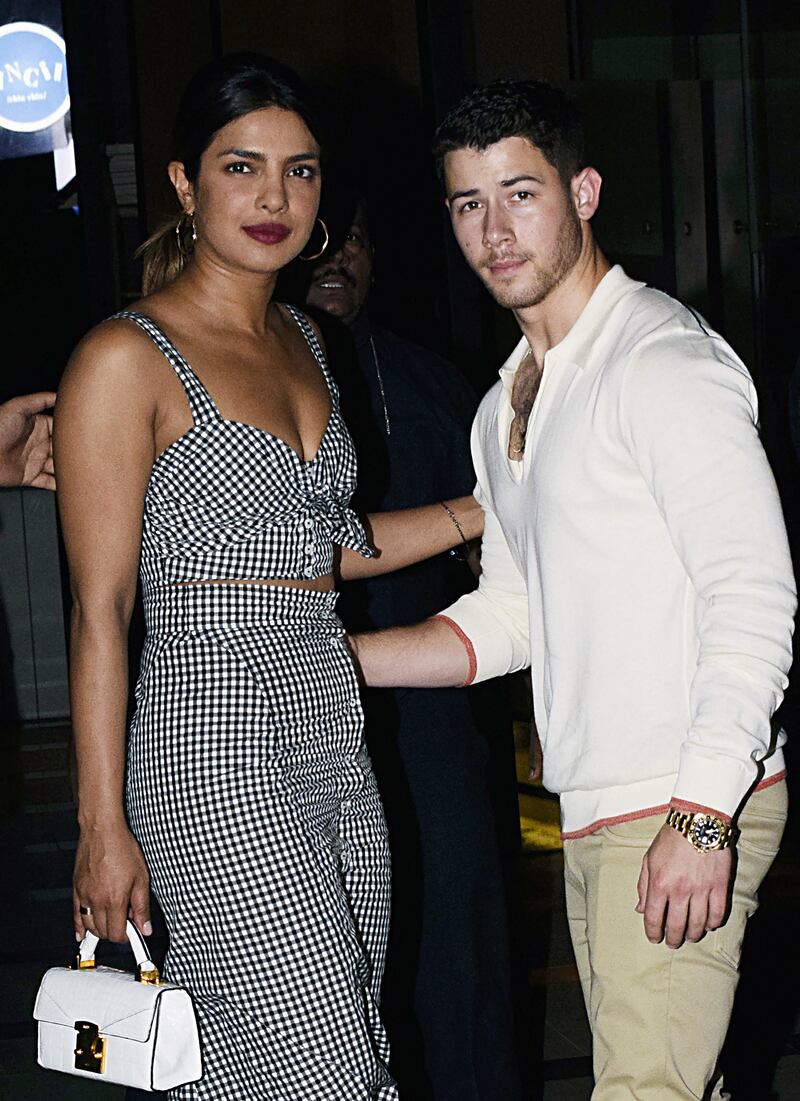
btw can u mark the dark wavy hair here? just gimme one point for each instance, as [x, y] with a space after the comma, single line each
[219, 93]
[531, 109]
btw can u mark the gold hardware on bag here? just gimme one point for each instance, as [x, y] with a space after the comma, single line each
[90, 1054]
[148, 975]
[83, 965]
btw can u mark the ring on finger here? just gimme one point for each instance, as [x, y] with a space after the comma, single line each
[85, 911]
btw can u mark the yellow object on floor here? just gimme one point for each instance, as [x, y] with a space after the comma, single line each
[539, 816]
[540, 823]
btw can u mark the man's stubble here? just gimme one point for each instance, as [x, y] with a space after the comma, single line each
[546, 274]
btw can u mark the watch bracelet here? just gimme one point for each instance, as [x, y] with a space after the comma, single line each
[682, 822]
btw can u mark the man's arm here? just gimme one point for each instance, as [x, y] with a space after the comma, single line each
[425, 655]
[26, 452]
[482, 635]
[692, 432]
[691, 426]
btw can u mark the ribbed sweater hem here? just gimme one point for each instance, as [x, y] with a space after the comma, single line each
[585, 812]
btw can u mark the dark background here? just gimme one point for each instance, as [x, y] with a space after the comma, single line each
[692, 112]
[691, 115]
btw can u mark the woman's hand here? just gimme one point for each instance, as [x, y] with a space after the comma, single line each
[111, 880]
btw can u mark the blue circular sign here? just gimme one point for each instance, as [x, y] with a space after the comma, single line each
[33, 77]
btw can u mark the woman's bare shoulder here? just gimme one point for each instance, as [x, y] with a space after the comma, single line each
[116, 352]
[111, 387]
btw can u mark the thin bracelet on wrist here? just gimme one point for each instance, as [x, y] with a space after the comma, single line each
[459, 552]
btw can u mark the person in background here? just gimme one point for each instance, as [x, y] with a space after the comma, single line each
[447, 990]
[26, 452]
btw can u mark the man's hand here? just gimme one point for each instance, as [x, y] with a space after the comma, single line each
[26, 452]
[683, 893]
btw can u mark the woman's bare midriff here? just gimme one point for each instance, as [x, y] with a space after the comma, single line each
[322, 584]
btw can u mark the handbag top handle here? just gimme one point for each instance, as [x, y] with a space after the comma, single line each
[141, 952]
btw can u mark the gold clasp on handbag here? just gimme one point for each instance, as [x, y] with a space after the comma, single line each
[148, 974]
[90, 1054]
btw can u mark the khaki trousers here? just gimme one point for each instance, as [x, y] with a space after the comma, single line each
[659, 1016]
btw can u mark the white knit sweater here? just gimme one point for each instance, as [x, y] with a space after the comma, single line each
[637, 560]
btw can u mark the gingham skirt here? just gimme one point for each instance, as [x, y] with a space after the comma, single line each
[253, 798]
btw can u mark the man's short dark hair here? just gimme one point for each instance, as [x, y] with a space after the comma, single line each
[529, 109]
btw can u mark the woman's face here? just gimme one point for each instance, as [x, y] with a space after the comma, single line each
[256, 196]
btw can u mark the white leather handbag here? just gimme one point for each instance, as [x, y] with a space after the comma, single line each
[117, 1026]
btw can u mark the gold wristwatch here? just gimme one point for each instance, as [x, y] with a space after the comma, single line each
[706, 832]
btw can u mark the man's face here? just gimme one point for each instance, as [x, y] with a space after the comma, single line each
[340, 283]
[514, 219]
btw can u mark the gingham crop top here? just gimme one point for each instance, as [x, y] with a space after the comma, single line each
[229, 501]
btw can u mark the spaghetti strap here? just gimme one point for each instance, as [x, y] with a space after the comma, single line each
[201, 403]
[307, 329]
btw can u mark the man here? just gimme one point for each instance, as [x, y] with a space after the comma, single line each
[446, 998]
[635, 555]
[26, 453]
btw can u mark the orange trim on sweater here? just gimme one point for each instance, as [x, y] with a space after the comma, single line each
[473, 661]
[776, 779]
[650, 812]
[697, 808]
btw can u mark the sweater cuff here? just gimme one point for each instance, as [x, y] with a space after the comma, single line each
[467, 644]
[695, 808]
[493, 649]
[711, 781]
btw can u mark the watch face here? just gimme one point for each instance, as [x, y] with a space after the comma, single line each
[706, 831]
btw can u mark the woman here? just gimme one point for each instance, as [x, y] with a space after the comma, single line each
[249, 795]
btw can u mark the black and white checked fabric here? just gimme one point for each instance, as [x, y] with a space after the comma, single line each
[229, 500]
[248, 784]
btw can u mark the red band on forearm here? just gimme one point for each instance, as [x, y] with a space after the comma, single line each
[696, 808]
[467, 644]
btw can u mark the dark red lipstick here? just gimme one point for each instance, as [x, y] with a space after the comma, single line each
[268, 233]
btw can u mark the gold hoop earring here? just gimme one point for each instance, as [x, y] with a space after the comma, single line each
[317, 255]
[180, 231]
